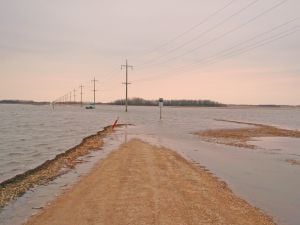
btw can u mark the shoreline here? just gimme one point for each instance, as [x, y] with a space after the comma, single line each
[240, 137]
[251, 174]
[18, 185]
[140, 183]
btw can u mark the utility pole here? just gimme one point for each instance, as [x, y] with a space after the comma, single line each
[94, 91]
[74, 91]
[81, 95]
[126, 83]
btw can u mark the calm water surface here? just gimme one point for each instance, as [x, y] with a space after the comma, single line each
[29, 135]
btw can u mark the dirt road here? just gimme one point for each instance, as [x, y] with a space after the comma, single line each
[143, 184]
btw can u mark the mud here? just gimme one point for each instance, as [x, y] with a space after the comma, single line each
[241, 136]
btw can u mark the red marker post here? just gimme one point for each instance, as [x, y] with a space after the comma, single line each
[115, 123]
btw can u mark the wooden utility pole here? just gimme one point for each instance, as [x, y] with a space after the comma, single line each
[94, 91]
[81, 95]
[126, 83]
[74, 91]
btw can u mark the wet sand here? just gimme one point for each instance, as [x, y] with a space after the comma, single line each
[143, 184]
[241, 136]
[293, 162]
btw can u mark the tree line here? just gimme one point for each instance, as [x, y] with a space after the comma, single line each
[182, 102]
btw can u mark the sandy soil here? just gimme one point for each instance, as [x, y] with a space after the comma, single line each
[143, 184]
[240, 137]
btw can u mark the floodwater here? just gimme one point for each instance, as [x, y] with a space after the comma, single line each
[32, 134]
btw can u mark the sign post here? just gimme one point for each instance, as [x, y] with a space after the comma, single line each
[160, 104]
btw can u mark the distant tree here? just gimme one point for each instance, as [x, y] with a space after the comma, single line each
[23, 102]
[182, 102]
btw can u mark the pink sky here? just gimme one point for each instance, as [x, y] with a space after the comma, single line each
[48, 49]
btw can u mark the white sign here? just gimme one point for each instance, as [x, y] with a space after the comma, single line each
[161, 102]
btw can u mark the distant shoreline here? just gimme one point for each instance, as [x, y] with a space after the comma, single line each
[31, 102]
[27, 102]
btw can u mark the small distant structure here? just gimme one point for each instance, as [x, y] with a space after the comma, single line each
[91, 106]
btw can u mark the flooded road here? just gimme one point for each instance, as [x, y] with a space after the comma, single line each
[32, 134]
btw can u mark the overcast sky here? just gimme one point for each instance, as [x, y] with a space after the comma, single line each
[231, 51]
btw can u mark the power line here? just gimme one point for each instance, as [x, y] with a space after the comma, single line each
[109, 75]
[214, 58]
[94, 90]
[243, 24]
[74, 91]
[226, 33]
[251, 47]
[232, 51]
[81, 86]
[193, 27]
[262, 43]
[126, 82]
[206, 31]
[65, 99]
[240, 51]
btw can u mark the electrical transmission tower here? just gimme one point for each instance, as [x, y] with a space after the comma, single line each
[81, 95]
[94, 91]
[126, 83]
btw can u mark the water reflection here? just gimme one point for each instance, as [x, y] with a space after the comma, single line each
[262, 176]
